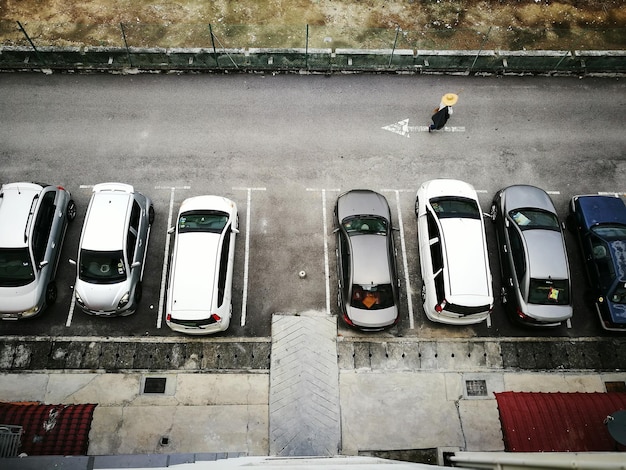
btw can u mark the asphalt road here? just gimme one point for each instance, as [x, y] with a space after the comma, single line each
[283, 147]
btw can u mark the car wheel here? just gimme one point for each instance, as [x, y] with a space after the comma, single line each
[503, 298]
[493, 213]
[70, 211]
[151, 215]
[51, 293]
[138, 293]
[339, 299]
[570, 223]
[423, 293]
[417, 207]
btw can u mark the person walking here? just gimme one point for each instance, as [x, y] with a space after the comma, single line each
[443, 112]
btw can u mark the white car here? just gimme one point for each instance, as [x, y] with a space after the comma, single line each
[112, 250]
[199, 295]
[456, 277]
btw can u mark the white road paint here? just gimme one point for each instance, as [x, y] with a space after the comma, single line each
[166, 257]
[325, 238]
[244, 300]
[402, 128]
[405, 263]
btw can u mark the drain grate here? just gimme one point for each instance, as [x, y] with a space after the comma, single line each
[154, 385]
[476, 388]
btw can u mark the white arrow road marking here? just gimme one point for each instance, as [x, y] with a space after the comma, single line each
[402, 128]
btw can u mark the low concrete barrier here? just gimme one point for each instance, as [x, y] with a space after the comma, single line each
[314, 60]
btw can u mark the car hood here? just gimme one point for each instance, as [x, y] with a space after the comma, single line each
[18, 299]
[372, 318]
[103, 297]
[363, 202]
[602, 209]
[549, 313]
[525, 196]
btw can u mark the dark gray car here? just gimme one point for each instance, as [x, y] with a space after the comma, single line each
[533, 260]
[367, 277]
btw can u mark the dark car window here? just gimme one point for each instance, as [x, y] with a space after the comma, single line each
[131, 243]
[455, 207]
[610, 232]
[534, 218]
[202, 221]
[43, 224]
[15, 267]
[372, 297]
[517, 253]
[548, 292]
[221, 281]
[601, 258]
[102, 267]
[345, 262]
[365, 225]
[134, 216]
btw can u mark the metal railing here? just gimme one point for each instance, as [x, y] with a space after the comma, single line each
[10, 440]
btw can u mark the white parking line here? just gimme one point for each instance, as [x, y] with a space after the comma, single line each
[325, 237]
[166, 257]
[405, 263]
[244, 301]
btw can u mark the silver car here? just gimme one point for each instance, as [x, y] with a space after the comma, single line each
[33, 221]
[112, 250]
[533, 260]
[366, 260]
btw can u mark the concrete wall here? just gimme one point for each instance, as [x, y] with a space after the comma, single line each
[314, 60]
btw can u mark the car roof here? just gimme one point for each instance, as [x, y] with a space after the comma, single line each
[105, 225]
[599, 209]
[370, 260]
[362, 202]
[526, 196]
[546, 254]
[193, 288]
[468, 268]
[15, 204]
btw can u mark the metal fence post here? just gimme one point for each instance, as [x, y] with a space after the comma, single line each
[395, 41]
[217, 64]
[481, 48]
[126, 44]
[39, 57]
[306, 49]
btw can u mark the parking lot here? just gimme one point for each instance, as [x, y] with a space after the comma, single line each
[283, 148]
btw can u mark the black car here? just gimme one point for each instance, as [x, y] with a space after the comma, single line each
[600, 224]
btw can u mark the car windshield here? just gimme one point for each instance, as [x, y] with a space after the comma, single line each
[455, 207]
[610, 231]
[618, 296]
[102, 267]
[372, 297]
[365, 225]
[534, 218]
[548, 292]
[202, 221]
[16, 268]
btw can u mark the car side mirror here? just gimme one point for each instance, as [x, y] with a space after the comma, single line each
[171, 230]
[136, 264]
[43, 264]
[336, 230]
[72, 262]
[235, 230]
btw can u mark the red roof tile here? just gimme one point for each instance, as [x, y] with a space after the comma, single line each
[557, 422]
[50, 429]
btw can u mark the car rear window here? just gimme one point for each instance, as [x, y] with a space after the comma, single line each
[16, 268]
[102, 267]
[548, 292]
[202, 221]
[457, 207]
[372, 297]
